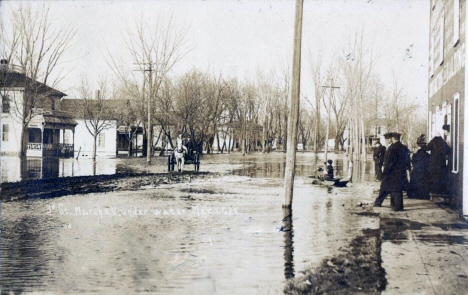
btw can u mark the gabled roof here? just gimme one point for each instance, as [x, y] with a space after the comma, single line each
[75, 107]
[15, 79]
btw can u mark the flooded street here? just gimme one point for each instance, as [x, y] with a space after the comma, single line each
[221, 235]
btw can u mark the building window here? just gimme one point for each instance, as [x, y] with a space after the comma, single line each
[456, 22]
[66, 137]
[5, 132]
[102, 140]
[5, 103]
[455, 133]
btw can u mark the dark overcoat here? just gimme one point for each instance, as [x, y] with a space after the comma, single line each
[395, 166]
[379, 154]
[438, 167]
[420, 176]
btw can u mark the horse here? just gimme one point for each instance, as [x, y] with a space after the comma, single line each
[179, 154]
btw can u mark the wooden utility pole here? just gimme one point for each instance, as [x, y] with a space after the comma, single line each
[149, 143]
[293, 120]
[328, 119]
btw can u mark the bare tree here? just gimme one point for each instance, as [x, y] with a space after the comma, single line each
[96, 113]
[126, 112]
[358, 64]
[284, 89]
[318, 79]
[155, 48]
[400, 110]
[36, 45]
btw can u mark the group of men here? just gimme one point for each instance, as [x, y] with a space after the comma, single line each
[429, 168]
[395, 161]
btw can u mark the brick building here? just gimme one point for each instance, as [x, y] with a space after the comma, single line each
[447, 88]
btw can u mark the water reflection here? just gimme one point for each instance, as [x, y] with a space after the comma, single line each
[258, 168]
[288, 243]
[16, 168]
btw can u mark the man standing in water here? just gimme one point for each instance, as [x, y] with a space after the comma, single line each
[394, 174]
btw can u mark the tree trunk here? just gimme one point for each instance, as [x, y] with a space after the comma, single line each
[129, 147]
[94, 146]
[23, 142]
[364, 157]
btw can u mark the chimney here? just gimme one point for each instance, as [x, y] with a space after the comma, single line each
[97, 94]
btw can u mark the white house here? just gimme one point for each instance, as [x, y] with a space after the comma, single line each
[106, 142]
[26, 100]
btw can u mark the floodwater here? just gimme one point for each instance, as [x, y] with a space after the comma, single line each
[15, 169]
[221, 235]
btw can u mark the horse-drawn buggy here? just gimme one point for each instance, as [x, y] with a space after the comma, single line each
[182, 155]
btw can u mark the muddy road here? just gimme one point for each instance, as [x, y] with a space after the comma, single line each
[222, 234]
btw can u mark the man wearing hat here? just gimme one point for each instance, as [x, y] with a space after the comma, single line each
[446, 129]
[394, 174]
[379, 154]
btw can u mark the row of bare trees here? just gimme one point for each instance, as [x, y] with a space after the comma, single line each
[361, 102]
[212, 108]
[214, 111]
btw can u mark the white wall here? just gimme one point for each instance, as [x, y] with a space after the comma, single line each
[85, 141]
[13, 145]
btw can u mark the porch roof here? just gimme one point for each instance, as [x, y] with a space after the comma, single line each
[59, 120]
[126, 129]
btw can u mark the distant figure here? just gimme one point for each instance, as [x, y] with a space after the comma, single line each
[379, 154]
[447, 138]
[438, 166]
[394, 174]
[419, 180]
[189, 146]
[330, 175]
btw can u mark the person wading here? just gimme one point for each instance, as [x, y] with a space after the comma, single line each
[394, 174]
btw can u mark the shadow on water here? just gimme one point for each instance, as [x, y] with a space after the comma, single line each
[288, 243]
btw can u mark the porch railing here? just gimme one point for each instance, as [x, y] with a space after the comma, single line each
[34, 146]
[55, 149]
[57, 146]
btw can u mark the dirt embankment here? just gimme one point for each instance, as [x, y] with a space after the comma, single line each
[57, 187]
[358, 271]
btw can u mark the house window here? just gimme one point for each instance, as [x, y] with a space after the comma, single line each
[5, 103]
[66, 137]
[5, 132]
[456, 22]
[102, 140]
[455, 132]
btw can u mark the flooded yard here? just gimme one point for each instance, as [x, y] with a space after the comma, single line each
[222, 235]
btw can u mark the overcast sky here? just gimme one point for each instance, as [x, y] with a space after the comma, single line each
[238, 38]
